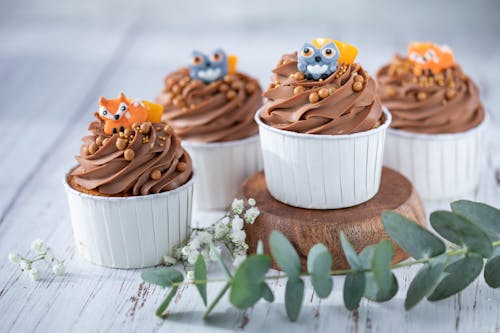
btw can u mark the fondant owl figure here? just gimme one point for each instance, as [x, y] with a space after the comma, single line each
[208, 68]
[318, 63]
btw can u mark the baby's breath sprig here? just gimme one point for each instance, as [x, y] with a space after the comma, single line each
[227, 231]
[43, 253]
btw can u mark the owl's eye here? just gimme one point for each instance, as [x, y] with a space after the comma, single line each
[328, 52]
[197, 60]
[216, 57]
[306, 52]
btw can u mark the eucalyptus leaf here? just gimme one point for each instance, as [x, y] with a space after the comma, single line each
[381, 264]
[492, 269]
[319, 263]
[164, 305]
[284, 254]
[164, 276]
[220, 262]
[459, 275]
[350, 253]
[200, 274]
[260, 247]
[268, 294]
[414, 239]
[248, 285]
[354, 288]
[294, 295]
[374, 293]
[459, 230]
[425, 281]
[486, 216]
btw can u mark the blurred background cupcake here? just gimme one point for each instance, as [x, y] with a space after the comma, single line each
[322, 130]
[436, 136]
[211, 106]
[130, 194]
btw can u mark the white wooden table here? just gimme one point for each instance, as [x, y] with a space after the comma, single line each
[57, 58]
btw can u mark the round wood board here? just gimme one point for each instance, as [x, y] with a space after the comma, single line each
[305, 227]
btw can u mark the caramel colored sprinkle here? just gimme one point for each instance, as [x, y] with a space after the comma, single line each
[127, 132]
[145, 128]
[136, 126]
[176, 89]
[84, 151]
[106, 140]
[313, 97]
[93, 148]
[129, 154]
[121, 144]
[161, 144]
[357, 86]
[359, 78]
[228, 78]
[168, 129]
[450, 93]
[298, 90]
[145, 139]
[155, 174]
[298, 76]
[250, 88]
[223, 87]
[323, 93]
[231, 94]
[99, 140]
[236, 85]
[421, 96]
[181, 166]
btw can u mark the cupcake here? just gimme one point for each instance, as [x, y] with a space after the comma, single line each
[130, 193]
[323, 128]
[436, 134]
[211, 106]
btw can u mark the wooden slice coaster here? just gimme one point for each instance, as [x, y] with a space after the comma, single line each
[305, 227]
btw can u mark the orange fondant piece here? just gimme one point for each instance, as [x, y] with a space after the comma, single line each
[232, 61]
[347, 52]
[429, 58]
[116, 119]
[154, 111]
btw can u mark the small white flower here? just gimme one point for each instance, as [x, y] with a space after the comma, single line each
[237, 223]
[195, 243]
[49, 257]
[238, 260]
[193, 255]
[25, 266]
[39, 246]
[252, 202]
[238, 236]
[190, 275]
[205, 252]
[220, 230]
[251, 215]
[34, 274]
[214, 250]
[204, 237]
[14, 258]
[169, 261]
[237, 206]
[58, 268]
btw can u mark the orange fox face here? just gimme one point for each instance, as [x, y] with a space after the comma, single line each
[119, 113]
[429, 58]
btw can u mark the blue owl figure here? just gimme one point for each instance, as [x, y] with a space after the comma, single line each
[318, 63]
[208, 68]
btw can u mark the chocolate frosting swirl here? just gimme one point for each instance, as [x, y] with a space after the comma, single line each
[345, 102]
[448, 102]
[220, 111]
[159, 163]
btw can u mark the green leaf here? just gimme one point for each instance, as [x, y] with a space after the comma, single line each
[260, 247]
[164, 276]
[220, 262]
[381, 263]
[460, 274]
[354, 288]
[485, 216]
[268, 294]
[374, 293]
[284, 254]
[164, 305]
[319, 263]
[425, 281]
[349, 252]
[248, 284]
[411, 237]
[200, 274]
[459, 230]
[294, 295]
[492, 269]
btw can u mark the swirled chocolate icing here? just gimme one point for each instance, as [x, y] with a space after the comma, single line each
[143, 160]
[447, 102]
[345, 102]
[220, 111]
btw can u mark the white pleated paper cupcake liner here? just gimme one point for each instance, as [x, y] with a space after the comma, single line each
[130, 232]
[221, 168]
[440, 166]
[322, 171]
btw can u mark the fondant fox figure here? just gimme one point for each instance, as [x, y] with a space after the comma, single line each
[121, 113]
[429, 58]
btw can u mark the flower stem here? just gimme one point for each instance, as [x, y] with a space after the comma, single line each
[216, 300]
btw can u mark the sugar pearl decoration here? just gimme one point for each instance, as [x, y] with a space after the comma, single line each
[223, 87]
[145, 128]
[250, 88]
[357, 86]
[84, 151]
[129, 154]
[421, 96]
[121, 144]
[313, 97]
[298, 90]
[99, 140]
[168, 129]
[181, 167]
[323, 93]
[93, 147]
[230, 94]
[298, 76]
[450, 93]
[155, 174]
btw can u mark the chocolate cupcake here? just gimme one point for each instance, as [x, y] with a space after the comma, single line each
[435, 138]
[211, 106]
[322, 130]
[130, 194]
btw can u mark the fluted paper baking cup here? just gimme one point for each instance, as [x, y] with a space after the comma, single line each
[440, 166]
[322, 171]
[130, 232]
[220, 168]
